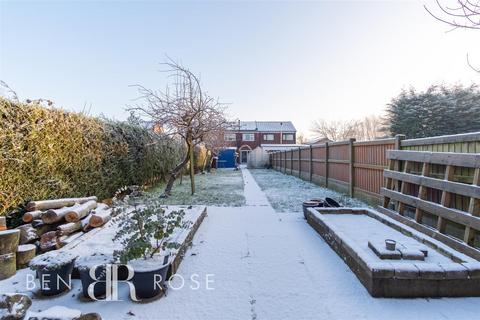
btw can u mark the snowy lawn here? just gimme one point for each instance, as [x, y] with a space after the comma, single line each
[286, 193]
[221, 187]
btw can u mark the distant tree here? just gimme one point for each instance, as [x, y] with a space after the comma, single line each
[369, 128]
[183, 110]
[334, 130]
[301, 139]
[440, 110]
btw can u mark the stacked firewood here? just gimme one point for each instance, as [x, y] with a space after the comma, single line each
[52, 224]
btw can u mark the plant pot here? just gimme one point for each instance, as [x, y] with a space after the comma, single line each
[59, 279]
[390, 244]
[149, 282]
[54, 270]
[84, 265]
[329, 202]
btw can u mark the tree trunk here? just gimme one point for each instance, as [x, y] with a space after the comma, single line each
[32, 215]
[205, 161]
[56, 215]
[8, 265]
[173, 175]
[48, 241]
[9, 241]
[81, 211]
[3, 223]
[57, 203]
[86, 223]
[100, 217]
[25, 253]
[192, 169]
[69, 228]
[65, 240]
[27, 234]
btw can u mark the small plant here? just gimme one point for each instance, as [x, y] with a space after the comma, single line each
[146, 230]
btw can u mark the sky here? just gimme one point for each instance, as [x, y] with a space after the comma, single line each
[290, 60]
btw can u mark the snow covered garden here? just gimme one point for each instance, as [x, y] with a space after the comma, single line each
[247, 260]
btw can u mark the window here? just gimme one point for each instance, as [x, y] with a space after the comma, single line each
[230, 137]
[248, 137]
[288, 136]
[268, 137]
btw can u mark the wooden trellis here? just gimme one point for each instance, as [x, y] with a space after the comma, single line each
[399, 176]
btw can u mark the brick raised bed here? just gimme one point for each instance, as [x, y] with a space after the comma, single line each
[392, 278]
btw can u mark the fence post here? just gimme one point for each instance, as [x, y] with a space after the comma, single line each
[396, 165]
[285, 162]
[310, 165]
[291, 161]
[326, 164]
[398, 141]
[299, 163]
[352, 166]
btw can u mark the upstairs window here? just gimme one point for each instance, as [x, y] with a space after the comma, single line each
[230, 137]
[288, 136]
[248, 137]
[268, 137]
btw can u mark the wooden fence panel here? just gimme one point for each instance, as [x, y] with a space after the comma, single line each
[338, 162]
[357, 167]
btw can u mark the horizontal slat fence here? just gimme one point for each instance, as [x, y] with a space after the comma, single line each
[356, 167]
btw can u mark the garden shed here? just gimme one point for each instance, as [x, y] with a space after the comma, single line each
[259, 157]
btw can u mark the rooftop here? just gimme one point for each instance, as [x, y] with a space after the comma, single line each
[264, 126]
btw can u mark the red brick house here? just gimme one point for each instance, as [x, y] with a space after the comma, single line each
[247, 135]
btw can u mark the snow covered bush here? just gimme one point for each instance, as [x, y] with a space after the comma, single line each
[146, 230]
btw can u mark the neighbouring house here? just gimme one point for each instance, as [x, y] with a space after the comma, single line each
[245, 136]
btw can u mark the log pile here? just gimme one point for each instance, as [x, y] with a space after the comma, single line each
[49, 225]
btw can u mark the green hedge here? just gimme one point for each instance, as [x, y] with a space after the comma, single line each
[50, 153]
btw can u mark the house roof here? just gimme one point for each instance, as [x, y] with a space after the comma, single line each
[266, 126]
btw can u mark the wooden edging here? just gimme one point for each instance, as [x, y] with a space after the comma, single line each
[470, 160]
[186, 244]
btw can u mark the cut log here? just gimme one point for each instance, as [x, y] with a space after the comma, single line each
[62, 241]
[25, 253]
[80, 211]
[68, 228]
[32, 215]
[86, 223]
[44, 228]
[57, 215]
[9, 241]
[8, 266]
[48, 241]
[28, 234]
[3, 223]
[100, 217]
[57, 203]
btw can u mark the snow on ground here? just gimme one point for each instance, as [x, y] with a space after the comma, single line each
[286, 193]
[220, 187]
[266, 265]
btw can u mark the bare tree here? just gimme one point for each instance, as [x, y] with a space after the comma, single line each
[334, 130]
[459, 14]
[183, 109]
[370, 128]
[301, 139]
